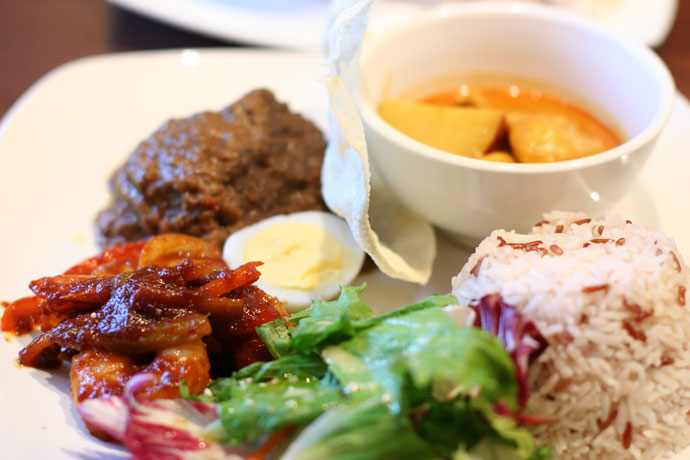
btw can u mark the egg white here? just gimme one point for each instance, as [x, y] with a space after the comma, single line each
[298, 299]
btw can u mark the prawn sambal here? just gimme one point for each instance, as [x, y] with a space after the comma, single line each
[167, 307]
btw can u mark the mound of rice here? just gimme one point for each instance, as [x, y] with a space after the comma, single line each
[610, 298]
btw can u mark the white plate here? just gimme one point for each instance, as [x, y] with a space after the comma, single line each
[300, 24]
[61, 140]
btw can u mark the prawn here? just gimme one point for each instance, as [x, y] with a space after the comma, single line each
[98, 373]
[102, 374]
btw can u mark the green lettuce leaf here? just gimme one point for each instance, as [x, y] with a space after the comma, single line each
[259, 408]
[430, 302]
[489, 449]
[276, 335]
[366, 431]
[329, 322]
[421, 346]
[450, 427]
[517, 437]
[456, 362]
[300, 366]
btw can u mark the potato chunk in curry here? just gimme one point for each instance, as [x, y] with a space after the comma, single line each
[545, 138]
[439, 126]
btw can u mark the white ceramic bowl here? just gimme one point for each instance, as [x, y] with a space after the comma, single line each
[468, 198]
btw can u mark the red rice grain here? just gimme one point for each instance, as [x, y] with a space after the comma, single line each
[597, 287]
[562, 384]
[475, 270]
[627, 436]
[667, 360]
[681, 296]
[556, 249]
[564, 337]
[675, 259]
[636, 334]
[527, 247]
[609, 420]
[639, 314]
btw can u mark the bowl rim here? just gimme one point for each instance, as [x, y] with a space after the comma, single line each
[639, 51]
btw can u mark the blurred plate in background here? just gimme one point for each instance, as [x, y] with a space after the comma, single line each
[300, 24]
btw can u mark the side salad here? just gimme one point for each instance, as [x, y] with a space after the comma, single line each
[348, 385]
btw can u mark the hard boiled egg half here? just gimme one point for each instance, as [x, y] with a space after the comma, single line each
[305, 255]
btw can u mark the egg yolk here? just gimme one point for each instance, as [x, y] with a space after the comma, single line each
[295, 255]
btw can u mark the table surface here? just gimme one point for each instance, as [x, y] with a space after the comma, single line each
[38, 35]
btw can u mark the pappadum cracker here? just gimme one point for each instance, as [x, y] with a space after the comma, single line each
[401, 244]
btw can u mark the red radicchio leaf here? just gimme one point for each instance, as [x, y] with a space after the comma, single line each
[519, 336]
[160, 429]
